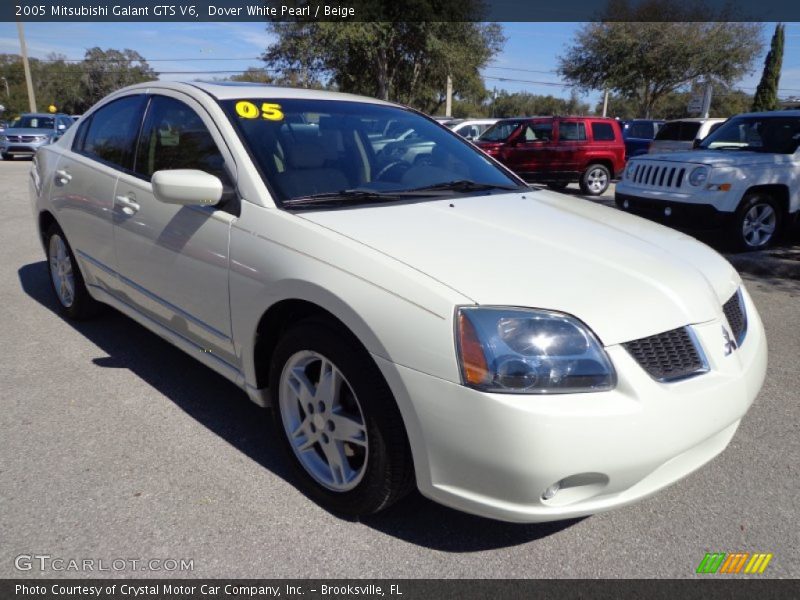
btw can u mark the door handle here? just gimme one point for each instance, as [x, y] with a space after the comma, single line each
[128, 204]
[62, 177]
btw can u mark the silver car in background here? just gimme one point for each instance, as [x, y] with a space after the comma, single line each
[32, 131]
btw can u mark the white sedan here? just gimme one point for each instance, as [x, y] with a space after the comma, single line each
[513, 353]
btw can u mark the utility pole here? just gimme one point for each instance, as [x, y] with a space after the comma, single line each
[28, 80]
[448, 106]
[707, 100]
[605, 103]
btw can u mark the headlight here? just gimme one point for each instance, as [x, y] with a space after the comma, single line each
[698, 176]
[528, 351]
[3, 138]
[41, 138]
[629, 170]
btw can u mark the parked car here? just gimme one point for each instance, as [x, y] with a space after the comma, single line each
[745, 176]
[682, 134]
[515, 353]
[559, 150]
[472, 128]
[638, 134]
[30, 132]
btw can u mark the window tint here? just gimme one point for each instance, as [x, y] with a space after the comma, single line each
[110, 134]
[570, 131]
[174, 137]
[603, 132]
[500, 131]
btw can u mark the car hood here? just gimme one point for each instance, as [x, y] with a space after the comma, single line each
[720, 158]
[626, 277]
[27, 131]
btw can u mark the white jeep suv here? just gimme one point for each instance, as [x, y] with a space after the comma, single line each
[743, 176]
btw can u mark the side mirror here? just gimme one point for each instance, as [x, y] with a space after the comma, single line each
[187, 187]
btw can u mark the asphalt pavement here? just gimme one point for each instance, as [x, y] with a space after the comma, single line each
[116, 445]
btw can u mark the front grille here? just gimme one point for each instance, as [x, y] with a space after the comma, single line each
[669, 356]
[737, 317]
[653, 175]
[24, 139]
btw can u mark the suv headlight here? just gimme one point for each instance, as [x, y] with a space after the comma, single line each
[629, 170]
[698, 176]
[527, 351]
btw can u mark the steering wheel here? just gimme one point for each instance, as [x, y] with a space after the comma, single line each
[395, 163]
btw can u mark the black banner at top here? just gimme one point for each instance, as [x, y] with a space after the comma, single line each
[397, 10]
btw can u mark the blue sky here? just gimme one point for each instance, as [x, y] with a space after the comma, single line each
[530, 53]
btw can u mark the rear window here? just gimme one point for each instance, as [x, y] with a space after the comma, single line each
[603, 132]
[640, 129]
[678, 131]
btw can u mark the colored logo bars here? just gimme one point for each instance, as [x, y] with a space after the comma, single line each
[735, 563]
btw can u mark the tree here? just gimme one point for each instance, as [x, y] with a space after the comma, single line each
[525, 104]
[646, 51]
[725, 102]
[105, 71]
[253, 75]
[766, 97]
[404, 53]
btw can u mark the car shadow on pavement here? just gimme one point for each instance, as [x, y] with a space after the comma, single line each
[224, 409]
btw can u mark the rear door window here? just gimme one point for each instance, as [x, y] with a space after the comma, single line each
[110, 134]
[571, 131]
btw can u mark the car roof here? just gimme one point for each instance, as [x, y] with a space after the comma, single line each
[772, 113]
[231, 90]
[696, 120]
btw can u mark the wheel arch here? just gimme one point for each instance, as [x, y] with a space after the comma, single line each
[777, 191]
[45, 221]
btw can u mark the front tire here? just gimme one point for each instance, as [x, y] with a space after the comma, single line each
[595, 180]
[757, 222]
[337, 420]
[7, 156]
[74, 301]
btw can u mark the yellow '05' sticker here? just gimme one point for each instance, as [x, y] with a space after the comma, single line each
[248, 110]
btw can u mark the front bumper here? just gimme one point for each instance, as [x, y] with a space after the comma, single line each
[670, 211]
[21, 148]
[495, 454]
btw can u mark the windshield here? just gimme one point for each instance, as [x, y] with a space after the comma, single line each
[778, 135]
[35, 122]
[500, 131]
[357, 151]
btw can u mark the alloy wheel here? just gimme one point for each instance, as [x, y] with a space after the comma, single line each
[759, 225]
[323, 421]
[61, 270]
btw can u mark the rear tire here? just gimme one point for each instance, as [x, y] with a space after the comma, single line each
[757, 223]
[595, 180]
[74, 301]
[337, 420]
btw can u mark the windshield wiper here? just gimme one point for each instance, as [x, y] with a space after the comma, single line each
[466, 185]
[342, 197]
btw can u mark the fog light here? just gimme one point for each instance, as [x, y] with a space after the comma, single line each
[667, 211]
[626, 204]
[551, 491]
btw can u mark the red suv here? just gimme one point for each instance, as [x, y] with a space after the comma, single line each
[559, 150]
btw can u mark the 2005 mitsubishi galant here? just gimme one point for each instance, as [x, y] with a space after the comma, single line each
[411, 310]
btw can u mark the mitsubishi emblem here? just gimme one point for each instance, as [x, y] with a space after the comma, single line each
[729, 342]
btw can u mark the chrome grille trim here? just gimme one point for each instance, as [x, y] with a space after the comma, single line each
[736, 314]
